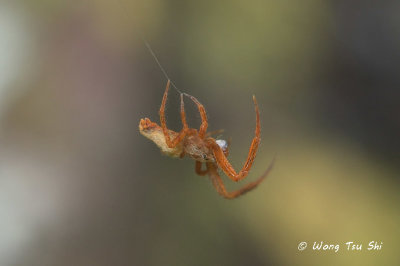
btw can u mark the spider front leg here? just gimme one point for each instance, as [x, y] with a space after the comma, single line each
[220, 187]
[198, 169]
[223, 162]
[182, 133]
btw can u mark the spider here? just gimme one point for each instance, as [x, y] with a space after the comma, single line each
[199, 145]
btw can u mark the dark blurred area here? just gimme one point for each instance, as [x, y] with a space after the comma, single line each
[80, 186]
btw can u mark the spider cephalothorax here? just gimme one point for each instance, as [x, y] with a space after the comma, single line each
[199, 145]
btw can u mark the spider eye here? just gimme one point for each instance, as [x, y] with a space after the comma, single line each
[222, 144]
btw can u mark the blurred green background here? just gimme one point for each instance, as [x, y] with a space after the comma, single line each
[80, 186]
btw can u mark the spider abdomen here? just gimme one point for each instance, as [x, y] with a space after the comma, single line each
[154, 132]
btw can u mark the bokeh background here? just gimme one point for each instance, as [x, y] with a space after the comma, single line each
[80, 186]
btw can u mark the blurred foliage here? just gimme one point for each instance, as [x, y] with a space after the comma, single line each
[81, 186]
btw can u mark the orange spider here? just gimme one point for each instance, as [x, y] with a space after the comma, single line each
[202, 148]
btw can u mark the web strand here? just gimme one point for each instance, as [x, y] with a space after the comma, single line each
[159, 64]
[149, 49]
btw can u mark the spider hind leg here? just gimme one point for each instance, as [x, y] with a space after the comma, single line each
[172, 143]
[203, 115]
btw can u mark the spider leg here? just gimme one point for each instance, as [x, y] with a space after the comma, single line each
[215, 132]
[198, 169]
[204, 123]
[220, 187]
[182, 133]
[223, 162]
[226, 152]
[219, 131]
